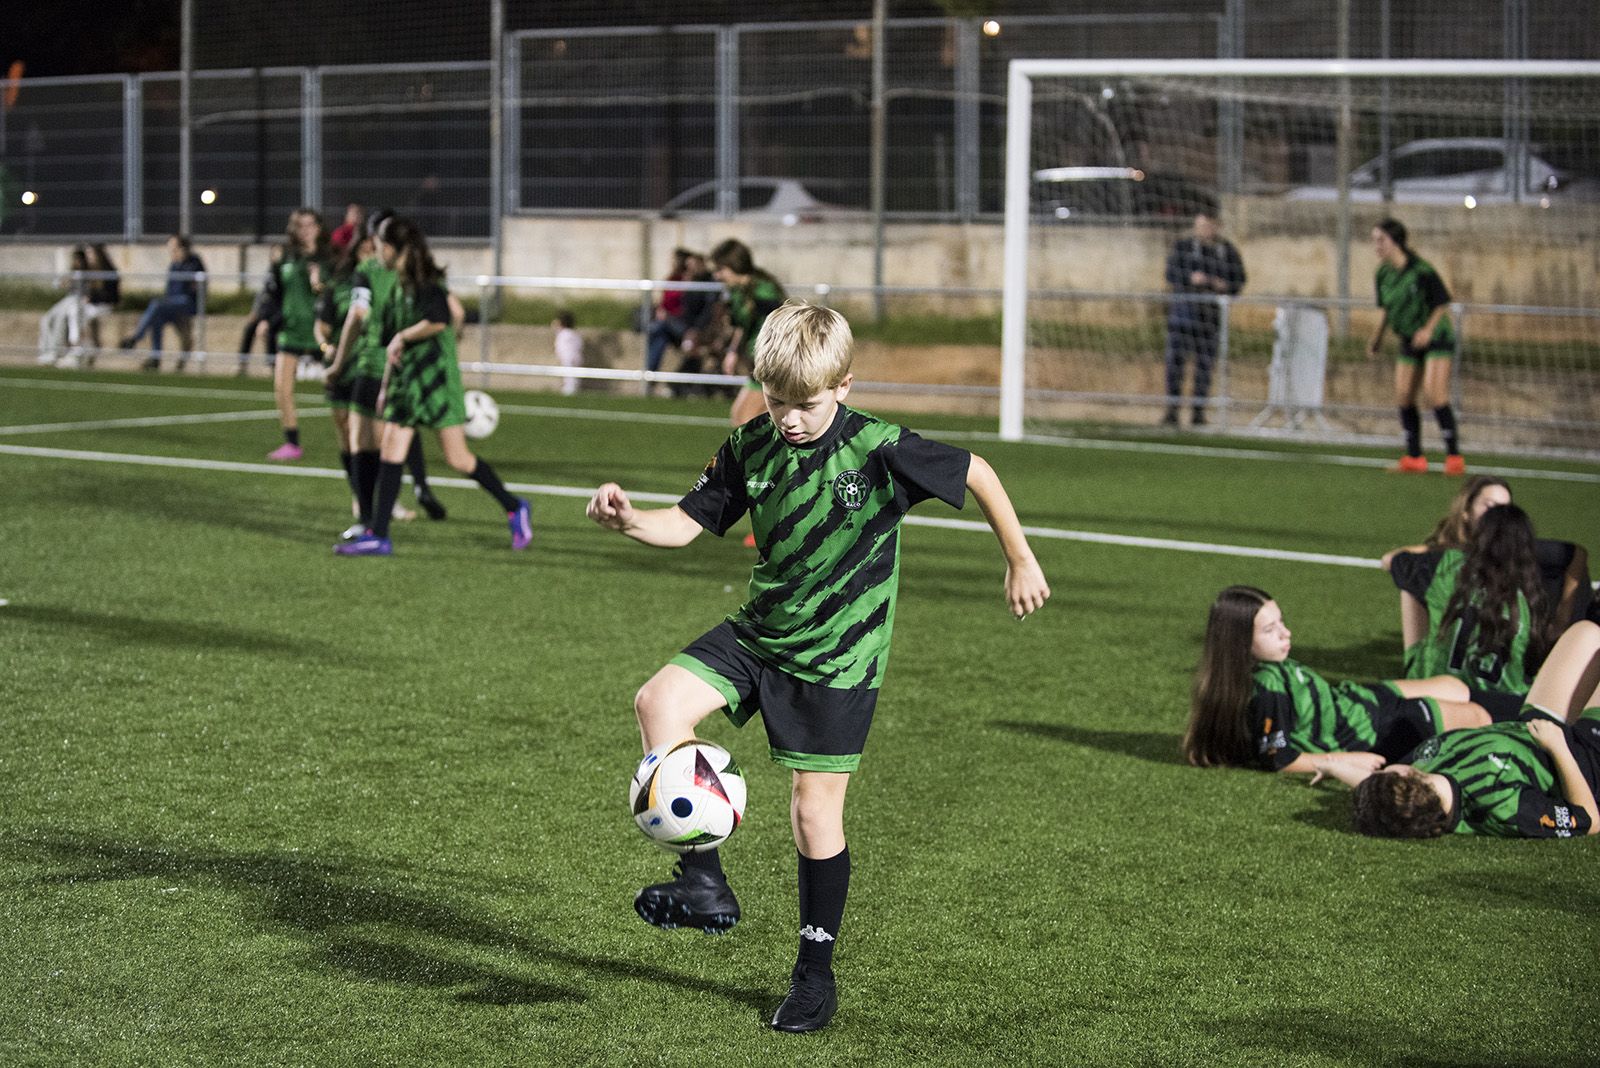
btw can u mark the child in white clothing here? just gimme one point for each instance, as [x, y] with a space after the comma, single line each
[569, 348]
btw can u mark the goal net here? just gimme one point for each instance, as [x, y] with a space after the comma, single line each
[1493, 167]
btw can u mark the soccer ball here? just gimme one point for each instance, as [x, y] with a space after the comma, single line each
[483, 414]
[687, 797]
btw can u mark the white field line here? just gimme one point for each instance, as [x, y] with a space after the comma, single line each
[1093, 444]
[584, 492]
[146, 421]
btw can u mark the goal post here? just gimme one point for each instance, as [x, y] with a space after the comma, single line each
[1108, 160]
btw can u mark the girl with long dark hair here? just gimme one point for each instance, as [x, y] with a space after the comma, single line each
[1485, 605]
[1253, 706]
[422, 388]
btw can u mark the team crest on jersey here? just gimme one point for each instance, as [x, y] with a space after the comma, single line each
[1426, 751]
[850, 489]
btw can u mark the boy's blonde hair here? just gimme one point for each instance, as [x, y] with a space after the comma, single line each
[802, 350]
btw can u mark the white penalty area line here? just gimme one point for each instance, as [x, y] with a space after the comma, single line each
[149, 421]
[1226, 453]
[584, 493]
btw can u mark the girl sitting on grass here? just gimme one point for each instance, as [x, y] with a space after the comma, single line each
[1480, 611]
[1255, 707]
[1563, 565]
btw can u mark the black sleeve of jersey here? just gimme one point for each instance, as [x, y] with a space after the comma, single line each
[1413, 572]
[433, 305]
[273, 287]
[327, 309]
[924, 469]
[719, 496]
[1272, 715]
[1540, 815]
[1433, 290]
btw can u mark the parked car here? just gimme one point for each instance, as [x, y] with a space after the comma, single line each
[786, 199]
[1090, 194]
[1449, 170]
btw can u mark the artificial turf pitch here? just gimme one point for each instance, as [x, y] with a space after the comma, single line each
[260, 805]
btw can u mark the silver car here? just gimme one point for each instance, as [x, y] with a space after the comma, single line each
[1455, 170]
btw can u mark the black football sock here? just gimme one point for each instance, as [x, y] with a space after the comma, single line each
[291, 434]
[347, 460]
[388, 493]
[823, 885]
[484, 476]
[366, 480]
[1446, 417]
[416, 464]
[709, 861]
[1411, 423]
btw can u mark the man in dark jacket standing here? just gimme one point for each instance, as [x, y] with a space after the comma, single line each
[1202, 266]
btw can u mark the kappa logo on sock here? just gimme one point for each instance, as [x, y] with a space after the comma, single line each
[815, 934]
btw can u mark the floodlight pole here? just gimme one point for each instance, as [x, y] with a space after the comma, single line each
[489, 299]
[879, 26]
[185, 130]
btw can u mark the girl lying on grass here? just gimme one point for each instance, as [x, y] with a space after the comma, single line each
[1255, 707]
[1532, 778]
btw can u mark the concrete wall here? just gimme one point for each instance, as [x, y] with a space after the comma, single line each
[1521, 255]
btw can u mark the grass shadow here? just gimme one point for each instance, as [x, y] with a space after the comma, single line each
[1153, 746]
[172, 633]
[1320, 1035]
[1329, 810]
[321, 902]
[1376, 658]
[1491, 888]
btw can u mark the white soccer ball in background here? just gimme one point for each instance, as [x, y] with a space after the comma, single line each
[688, 796]
[483, 414]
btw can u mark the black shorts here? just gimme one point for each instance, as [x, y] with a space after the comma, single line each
[1583, 737]
[1403, 723]
[355, 392]
[810, 727]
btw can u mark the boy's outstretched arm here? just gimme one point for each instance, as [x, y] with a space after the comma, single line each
[1026, 588]
[667, 528]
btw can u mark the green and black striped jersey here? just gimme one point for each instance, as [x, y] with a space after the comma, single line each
[1408, 296]
[826, 516]
[1504, 781]
[1431, 578]
[371, 288]
[1296, 711]
[297, 300]
[750, 304]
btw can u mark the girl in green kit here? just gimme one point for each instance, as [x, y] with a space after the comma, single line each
[295, 283]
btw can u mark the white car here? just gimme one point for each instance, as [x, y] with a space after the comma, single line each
[1450, 170]
[785, 199]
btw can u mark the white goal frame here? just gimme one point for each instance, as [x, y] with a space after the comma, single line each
[1019, 122]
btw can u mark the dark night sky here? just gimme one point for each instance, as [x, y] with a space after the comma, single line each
[115, 36]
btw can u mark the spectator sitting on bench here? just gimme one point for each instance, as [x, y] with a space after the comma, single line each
[177, 306]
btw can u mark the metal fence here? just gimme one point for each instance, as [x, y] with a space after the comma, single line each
[1527, 378]
[595, 121]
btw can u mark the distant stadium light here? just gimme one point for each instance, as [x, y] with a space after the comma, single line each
[29, 197]
[991, 28]
[208, 196]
